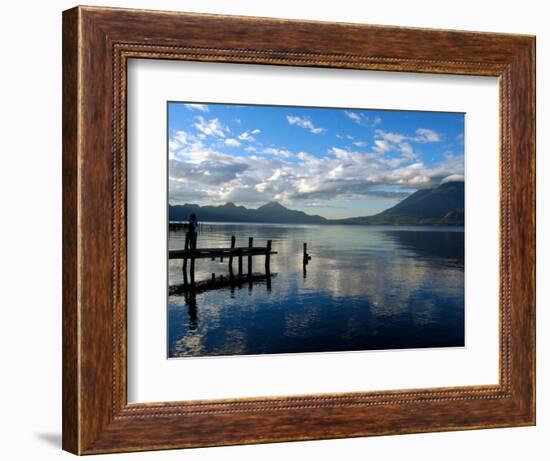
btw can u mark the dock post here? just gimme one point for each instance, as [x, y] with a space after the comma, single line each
[213, 279]
[184, 268]
[250, 241]
[268, 257]
[240, 263]
[231, 257]
[193, 245]
[307, 258]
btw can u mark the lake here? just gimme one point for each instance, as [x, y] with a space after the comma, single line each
[365, 288]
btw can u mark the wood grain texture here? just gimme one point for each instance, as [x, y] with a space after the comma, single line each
[97, 43]
[70, 384]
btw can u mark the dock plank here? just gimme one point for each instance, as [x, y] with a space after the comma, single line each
[203, 253]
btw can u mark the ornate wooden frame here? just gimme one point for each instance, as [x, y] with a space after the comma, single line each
[97, 43]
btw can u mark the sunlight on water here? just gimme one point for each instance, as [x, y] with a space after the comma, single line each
[366, 287]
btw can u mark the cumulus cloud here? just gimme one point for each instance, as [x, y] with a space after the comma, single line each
[246, 195]
[207, 166]
[422, 135]
[200, 107]
[247, 135]
[276, 151]
[381, 145]
[427, 135]
[362, 119]
[300, 178]
[231, 142]
[212, 127]
[304, 122]
[389, 136]
[453, 177]
[386, 141]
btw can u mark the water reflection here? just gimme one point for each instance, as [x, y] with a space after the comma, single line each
[364, 288]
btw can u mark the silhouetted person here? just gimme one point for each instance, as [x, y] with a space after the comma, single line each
[193, 227]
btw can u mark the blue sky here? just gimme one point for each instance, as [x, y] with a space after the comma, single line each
[333, 162]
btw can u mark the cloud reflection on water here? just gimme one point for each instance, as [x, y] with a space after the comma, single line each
[366, 288]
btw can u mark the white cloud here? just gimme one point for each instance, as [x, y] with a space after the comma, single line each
[381, 145]
[201, 173]
[246, 195]
[406, 149]
[212, 127]
[364, 120]
[232, 142]
[389, 136]
[354, 116]
[304, 122]
[247, 135]
[359, 143]
[201, 107]
[423, 135]
[453, 177]
[278, 152]
[427, 135]
[256, 131]
[307, 158]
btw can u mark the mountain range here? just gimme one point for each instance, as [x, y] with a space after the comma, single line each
[271, 212]
[442, 205]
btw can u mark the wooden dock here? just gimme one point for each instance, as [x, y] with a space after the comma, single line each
[191, 253]
[222, 281]
[204, 253]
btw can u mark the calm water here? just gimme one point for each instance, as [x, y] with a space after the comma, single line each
[366, 287]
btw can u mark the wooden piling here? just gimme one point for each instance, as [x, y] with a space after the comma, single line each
[240, 264]
[184, 267]
[268, 257]
[250, 241]
[193, 246]
[231, 257]
[307, 257]
[192, 271]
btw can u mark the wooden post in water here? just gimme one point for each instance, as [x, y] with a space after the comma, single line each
[250, 241]
[193, 245]
[231, 257]
[240, 263]
[267, 258]
[213, 279]
[307, 258]
[184, 268]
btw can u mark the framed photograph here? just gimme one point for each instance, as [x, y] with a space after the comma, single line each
[284, 230]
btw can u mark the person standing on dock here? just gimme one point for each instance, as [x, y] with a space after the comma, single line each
[192, 229]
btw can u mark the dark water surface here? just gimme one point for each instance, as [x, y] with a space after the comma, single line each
[366, 287]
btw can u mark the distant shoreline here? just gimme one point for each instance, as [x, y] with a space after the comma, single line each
[258, 223]
[441, 206]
